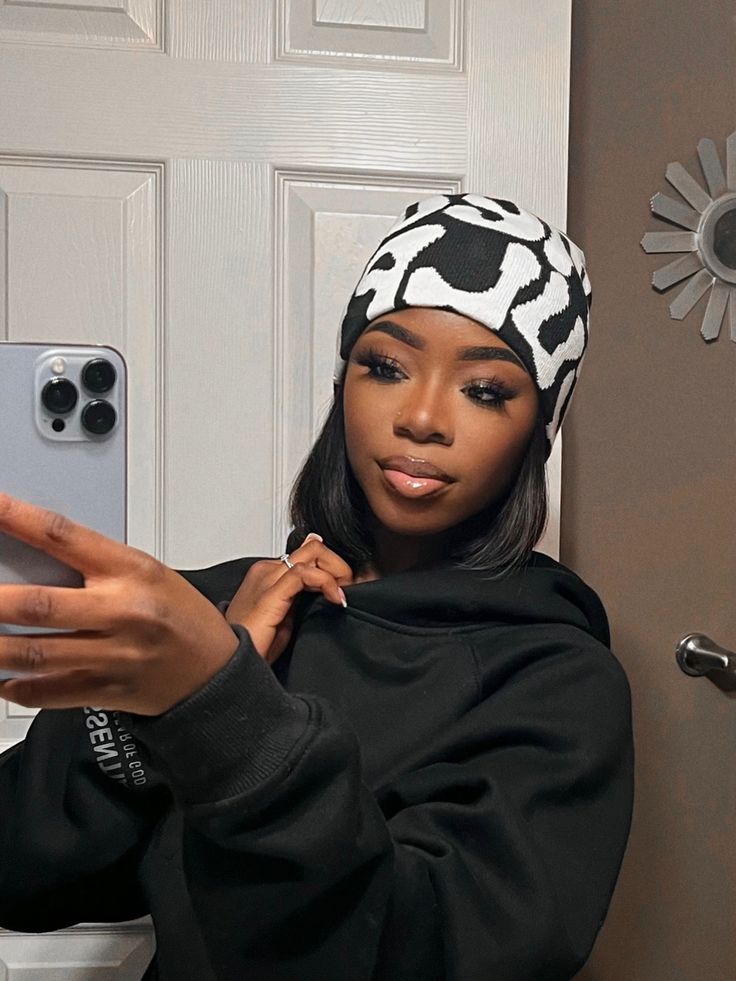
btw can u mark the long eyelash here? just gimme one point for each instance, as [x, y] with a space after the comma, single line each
[372, 358]
[377, 360]
[494, 387]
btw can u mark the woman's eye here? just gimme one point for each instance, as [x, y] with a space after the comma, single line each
[493, 395]
[490, 393]
[384, 369]
[379, 366]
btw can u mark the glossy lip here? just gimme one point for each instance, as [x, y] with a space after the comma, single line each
[414, 467]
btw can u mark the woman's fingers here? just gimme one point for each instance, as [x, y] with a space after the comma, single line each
[60, 670]
[316, 551]
[264, 603]
[86, 550]
[52, 606]
[44, 653]
[64, 689]
[312, 578]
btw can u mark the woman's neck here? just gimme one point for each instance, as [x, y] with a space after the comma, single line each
[398, 553]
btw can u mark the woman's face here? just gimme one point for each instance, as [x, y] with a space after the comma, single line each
[414, 388]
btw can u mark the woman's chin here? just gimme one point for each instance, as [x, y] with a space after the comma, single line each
[402, 522]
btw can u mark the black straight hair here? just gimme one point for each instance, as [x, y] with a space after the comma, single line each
[327, 499]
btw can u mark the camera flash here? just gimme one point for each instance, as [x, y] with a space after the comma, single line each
[58, 366]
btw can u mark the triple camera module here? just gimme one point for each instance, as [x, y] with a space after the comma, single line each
[60, 396]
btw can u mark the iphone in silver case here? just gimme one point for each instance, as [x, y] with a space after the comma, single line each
[63, 446]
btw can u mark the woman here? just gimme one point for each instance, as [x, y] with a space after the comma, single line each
[432, 780]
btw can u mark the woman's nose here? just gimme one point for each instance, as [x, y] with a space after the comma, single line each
[425, 416]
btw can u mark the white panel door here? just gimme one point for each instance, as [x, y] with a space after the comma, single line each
[200, 184]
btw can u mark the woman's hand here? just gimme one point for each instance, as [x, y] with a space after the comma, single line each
[147, 638]
[264, 603]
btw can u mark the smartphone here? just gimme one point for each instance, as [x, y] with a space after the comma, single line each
[63, 446]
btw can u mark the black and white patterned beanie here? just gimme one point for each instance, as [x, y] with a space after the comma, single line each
[489, 260]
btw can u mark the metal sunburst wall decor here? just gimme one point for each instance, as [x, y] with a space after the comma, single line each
[709, 239]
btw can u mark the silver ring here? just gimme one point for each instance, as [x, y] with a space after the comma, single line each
[285, 559]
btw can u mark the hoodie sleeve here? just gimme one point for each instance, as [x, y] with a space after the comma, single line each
[497, 860]
[79, 802]
[77, 807]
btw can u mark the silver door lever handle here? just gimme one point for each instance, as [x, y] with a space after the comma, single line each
[698, 654]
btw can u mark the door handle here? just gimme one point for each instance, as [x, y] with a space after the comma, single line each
[698, 655]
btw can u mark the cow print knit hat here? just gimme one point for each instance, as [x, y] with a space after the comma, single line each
[489, 260]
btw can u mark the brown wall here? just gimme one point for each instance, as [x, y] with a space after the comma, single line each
[649, 473]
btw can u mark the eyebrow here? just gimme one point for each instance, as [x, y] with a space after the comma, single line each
[474, 353]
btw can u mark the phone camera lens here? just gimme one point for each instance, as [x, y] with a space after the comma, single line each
[59, 395]
[98, 417]
[98, 376]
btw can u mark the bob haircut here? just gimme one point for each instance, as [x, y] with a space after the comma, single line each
[498, 540]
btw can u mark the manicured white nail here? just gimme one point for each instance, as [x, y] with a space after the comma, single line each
[342, 596]
[312, 536]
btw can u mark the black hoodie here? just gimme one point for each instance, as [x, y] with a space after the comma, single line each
[434, 784]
